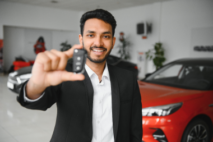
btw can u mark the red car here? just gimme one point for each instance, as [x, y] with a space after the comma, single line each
[177, 102]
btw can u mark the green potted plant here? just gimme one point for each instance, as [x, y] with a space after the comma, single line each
[65, 46]
[156, 55]
[123, 47]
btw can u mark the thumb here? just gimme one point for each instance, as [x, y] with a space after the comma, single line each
[70, 76]
[69, 52]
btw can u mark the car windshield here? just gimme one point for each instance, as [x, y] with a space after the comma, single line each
[188, 76]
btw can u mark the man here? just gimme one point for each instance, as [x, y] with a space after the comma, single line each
[101, 105]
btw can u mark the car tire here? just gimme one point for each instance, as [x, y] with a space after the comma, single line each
[197, 131]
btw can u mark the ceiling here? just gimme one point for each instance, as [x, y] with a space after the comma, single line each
[85, 5]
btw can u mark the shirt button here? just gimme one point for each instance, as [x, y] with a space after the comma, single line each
[98, 121]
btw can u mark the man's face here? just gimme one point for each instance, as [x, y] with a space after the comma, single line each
[97, 39]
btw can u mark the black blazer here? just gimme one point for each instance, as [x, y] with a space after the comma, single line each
[74, 107]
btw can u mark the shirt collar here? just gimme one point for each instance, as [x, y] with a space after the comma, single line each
[91, 72]
[106, 72]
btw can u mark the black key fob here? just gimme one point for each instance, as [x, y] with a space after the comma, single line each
[79, 59]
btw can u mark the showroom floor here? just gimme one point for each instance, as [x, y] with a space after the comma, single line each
[18, 124]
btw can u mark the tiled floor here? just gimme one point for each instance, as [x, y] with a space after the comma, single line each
[18, 124]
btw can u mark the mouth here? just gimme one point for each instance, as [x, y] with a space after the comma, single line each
[98, 51]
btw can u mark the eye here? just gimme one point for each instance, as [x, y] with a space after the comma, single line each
[90, 35]
[106, 36]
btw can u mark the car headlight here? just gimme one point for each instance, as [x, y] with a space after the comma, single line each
[161, 110]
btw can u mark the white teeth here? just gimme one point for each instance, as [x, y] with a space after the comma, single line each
[97, 50]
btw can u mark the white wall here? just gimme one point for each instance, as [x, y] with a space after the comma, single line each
[127, 19]
[179, 19]
[27, 16]
[23, 15]
[13, 49]
[61, 36]
[172, 22]
[198, 39]
[20, 42]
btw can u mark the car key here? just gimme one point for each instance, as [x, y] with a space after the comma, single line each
[79, 59]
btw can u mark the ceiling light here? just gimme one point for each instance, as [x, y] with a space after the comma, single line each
[54, 1]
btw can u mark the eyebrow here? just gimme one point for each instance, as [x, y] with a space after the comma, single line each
[107, 32]
[90, 32]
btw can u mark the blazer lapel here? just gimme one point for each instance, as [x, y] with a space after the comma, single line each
[88, 85]
[115, 100]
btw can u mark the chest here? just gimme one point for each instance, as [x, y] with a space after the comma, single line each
[80, 95]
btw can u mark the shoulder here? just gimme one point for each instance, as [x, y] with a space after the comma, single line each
[121, 73]
[117, 69]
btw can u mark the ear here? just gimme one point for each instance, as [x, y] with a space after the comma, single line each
[80, 39]
[113, 42]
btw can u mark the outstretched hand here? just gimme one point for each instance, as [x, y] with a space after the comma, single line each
[49, 70]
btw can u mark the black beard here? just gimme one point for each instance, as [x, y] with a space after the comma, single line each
[97, 60]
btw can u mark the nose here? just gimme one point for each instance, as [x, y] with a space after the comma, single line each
[98, 41]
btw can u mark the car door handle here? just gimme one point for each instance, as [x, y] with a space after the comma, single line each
[211, 105]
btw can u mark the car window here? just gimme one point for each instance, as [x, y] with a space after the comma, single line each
[172, 71]
[198, 77]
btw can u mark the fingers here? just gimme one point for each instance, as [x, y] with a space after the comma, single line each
[53, 61]
[44, 60]
[69, 52]
[49, 68]
[63, 59]
[69, 76]
[56, 77]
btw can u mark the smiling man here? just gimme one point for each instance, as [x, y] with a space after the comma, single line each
[97, 37]
[101, 105]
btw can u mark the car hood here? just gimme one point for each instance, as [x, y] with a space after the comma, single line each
[22, 71]
[155, 95]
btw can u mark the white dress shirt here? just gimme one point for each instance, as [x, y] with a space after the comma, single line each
[102, 106]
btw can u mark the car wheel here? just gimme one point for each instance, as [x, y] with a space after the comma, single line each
[197, 131]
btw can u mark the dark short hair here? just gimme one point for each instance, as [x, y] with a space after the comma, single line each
[99, 14]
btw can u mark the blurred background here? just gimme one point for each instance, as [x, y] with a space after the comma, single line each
[184, 28]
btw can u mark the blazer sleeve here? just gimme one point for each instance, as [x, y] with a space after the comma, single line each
[136, 120]
[50, 96]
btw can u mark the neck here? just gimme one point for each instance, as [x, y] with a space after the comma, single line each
[98, 68]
